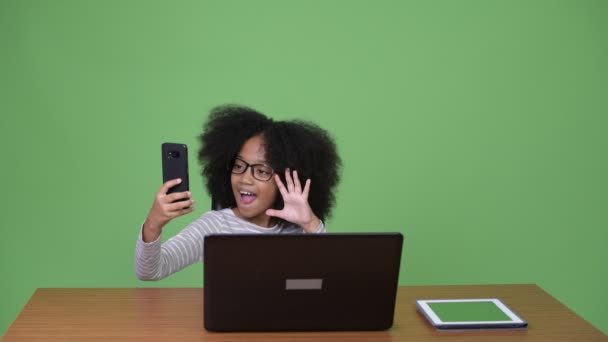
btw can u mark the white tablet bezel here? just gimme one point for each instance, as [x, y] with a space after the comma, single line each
[423, 304]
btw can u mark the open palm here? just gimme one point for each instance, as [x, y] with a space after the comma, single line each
[296, 209]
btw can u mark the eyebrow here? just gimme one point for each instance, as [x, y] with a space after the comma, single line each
[255, 162]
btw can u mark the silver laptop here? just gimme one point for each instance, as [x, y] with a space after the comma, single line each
[320, 282]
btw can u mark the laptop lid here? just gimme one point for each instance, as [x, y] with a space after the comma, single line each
[316, 282]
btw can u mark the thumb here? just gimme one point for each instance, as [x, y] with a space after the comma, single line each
[273, 212]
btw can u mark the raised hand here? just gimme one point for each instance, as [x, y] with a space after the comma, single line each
[296, 209]
[165, 208]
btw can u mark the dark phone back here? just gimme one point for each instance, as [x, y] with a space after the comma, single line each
[175, 165]
[307, 282]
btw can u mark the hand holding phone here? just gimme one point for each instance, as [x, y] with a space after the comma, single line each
[173, 197]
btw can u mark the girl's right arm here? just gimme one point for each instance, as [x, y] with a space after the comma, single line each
[154, 261]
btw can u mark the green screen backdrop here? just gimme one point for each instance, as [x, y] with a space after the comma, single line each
[475, 128]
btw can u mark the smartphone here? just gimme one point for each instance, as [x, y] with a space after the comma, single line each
[175, 165]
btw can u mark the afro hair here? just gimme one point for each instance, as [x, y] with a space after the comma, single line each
[297, 145]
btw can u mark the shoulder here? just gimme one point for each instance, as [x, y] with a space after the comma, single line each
[214, 220]
[223, 214]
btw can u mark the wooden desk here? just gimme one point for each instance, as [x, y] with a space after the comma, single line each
[167, 314]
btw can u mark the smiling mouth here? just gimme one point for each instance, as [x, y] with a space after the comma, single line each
[247, 197]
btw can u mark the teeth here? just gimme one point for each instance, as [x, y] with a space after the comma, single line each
[246, 193]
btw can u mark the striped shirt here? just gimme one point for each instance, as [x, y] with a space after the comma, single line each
[156, 260]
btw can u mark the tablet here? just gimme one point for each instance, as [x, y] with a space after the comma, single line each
[485, 313]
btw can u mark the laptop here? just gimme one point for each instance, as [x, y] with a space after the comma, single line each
[316, 282]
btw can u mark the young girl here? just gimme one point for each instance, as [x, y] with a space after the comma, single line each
[271, 177]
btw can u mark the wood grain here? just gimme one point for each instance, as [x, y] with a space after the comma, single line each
[170, 314]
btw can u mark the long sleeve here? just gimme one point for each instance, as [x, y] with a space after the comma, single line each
[154, 261]
[320, 229]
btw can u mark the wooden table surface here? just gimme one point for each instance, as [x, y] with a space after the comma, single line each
[175, 314]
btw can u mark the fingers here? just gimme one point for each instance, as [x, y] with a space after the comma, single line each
[292, 180]
[293, 184]
[180, 211]
[289, 180]
[175, 204]
[306, 189]
[280, 185]
[169, 206]
[296, 182]
[177, 201]
[179, 207]
[176, 196]
[168, 185]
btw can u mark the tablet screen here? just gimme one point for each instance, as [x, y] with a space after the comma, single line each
[469, 313]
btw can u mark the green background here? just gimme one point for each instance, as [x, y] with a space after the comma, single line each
[476, 128]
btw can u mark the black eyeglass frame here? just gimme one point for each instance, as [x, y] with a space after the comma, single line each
[252, 167]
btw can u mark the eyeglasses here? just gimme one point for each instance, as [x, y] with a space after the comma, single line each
[260, 172]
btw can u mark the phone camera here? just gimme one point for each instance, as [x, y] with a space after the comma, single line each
[173, 154]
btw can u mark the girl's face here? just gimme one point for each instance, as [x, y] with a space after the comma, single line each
[253, 196]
